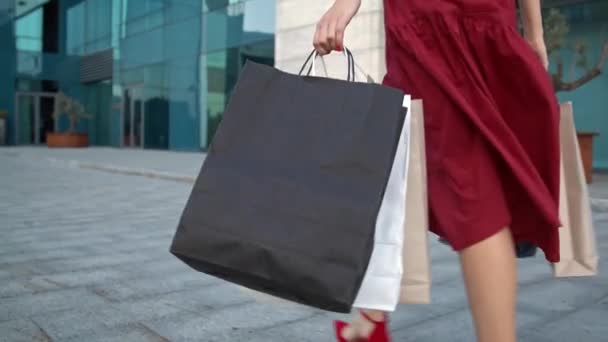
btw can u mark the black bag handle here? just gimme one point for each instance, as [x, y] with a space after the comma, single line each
[350, 76]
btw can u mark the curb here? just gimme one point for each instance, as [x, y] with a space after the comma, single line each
[109, 168]
[135, 172]
[598, 205]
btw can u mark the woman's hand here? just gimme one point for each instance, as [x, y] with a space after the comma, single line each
[329, 34]
[540, 49]
[533, 28]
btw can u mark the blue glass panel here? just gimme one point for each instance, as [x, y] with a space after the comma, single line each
[98, 25]
[28, 31]
[75, 30]
[183, 120]
[143, 48]
[239, 23]
[178, 10]
[222, 70]
[183, 39]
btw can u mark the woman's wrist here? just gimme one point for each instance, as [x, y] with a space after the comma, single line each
[535, 40]
[532, 21]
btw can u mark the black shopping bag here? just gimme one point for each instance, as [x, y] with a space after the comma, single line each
[287, 199]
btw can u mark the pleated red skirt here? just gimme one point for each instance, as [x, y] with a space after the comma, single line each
[491, 119]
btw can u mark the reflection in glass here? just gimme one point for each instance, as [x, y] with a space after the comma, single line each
[75, 31]
[46, 120]
[223, 68]
[156, 128]
[240, 23]
[137, 122]
[26, 120]
[97, 103]
[126, 118]
[28, 31]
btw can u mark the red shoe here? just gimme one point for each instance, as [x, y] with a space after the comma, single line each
[379, 334]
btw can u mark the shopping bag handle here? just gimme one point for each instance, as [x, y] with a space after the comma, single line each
[310, 62]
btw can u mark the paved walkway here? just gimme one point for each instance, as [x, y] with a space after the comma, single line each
[84, 237]
[178, 166]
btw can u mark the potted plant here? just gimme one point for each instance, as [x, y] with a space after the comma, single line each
[65, 105]
[556, 29]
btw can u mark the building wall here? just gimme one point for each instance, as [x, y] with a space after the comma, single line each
[364, 37]
[7, 68]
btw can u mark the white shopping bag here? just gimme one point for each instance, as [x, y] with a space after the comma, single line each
[381, 285]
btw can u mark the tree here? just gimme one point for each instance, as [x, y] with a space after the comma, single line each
[556, 29]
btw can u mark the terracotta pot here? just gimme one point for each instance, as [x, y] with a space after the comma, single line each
[585, 143]
[67, 140]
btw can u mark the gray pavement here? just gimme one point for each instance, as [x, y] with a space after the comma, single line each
[84, 238]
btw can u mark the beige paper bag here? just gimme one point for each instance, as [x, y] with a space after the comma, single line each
[577, 236]
[416, 281]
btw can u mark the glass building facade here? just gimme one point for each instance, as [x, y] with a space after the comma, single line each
[151, 73]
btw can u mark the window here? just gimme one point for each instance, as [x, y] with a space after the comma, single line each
[28, 31]
[98, 25]
[75, 30]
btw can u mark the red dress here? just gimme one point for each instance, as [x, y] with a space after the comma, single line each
[491, 118]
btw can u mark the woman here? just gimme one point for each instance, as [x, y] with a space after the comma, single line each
[491, 125]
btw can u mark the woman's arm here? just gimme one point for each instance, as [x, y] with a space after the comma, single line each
[533, 28]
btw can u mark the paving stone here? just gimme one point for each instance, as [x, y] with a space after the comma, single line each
[533, 270]
[588, 324]
[455, 326]
[81, 321]
[25, 286]
[21, 330]
[135, 332]
[445, 298]
[318, 328]
[147, 309]
[207, 298]
[250, 316]
[446, 270]
[84, 277]
[152, 286]
[559, 296]
[28, 305]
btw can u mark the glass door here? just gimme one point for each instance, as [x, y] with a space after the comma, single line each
[46, 121]
[26, 122]
[34, 117]
[98, 98]
[133, 117]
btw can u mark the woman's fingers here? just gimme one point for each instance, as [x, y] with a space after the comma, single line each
[343, 22]
[322, 45]
[316, 41]
[331, 34]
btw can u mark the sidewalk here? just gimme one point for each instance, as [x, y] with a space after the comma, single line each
[84, 257]
[181, 166]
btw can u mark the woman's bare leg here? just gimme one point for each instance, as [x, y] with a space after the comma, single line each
[361, 327]
[490, 272]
